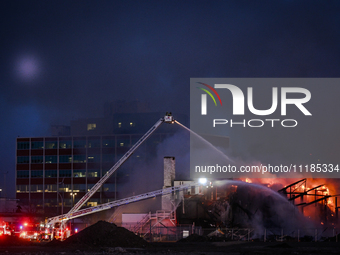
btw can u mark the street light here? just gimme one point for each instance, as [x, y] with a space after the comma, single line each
[73, 195]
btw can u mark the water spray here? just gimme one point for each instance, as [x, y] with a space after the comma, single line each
[205, 141]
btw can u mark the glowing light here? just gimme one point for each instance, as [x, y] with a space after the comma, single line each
[27, 67]
[202, 180]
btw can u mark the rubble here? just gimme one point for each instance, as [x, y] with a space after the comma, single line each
[105, 234]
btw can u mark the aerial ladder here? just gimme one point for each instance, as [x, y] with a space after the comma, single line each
[50, 223]
[124, 201]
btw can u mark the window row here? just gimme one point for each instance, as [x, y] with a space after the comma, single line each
[65, 159]
[67, 144]
[66, 201]
[62, 173]
[63, 188]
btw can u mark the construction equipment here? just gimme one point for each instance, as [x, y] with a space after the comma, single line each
[75, 211]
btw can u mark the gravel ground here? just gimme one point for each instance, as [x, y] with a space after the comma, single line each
[232, 248]
[107, 238]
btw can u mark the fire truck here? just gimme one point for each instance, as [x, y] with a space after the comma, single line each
[4, 228]
[29, 231]
[23, 229]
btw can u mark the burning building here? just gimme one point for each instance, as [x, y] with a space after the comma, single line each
[238, 204]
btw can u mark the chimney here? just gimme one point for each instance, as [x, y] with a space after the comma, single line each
[169, 177]
[169, 172]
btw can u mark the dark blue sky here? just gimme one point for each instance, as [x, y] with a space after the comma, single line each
[63, 59]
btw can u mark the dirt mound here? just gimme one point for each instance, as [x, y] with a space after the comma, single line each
[105, 234]
[13, 241]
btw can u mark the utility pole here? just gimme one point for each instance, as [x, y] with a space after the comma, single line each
[61, 197]
[62, 203]
[73, 195]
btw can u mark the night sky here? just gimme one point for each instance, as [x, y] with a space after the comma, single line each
[62, 60]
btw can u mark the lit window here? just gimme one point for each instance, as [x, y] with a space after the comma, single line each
[93, 173]
[131, 124]
[91, 126]
[119, 125]
[92, 203]
[121, 144]
[79, 173]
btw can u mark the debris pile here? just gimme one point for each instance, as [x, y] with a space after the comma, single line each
[105, 234]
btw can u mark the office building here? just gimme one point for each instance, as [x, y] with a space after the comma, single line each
[53, 173]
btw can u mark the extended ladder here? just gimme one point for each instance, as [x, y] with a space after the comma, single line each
[116, 203]
[167, 119]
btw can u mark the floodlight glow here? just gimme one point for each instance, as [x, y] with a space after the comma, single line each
[202, 180]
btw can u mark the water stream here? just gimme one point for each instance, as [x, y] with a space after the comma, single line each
[269, 191]
[206, 142]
